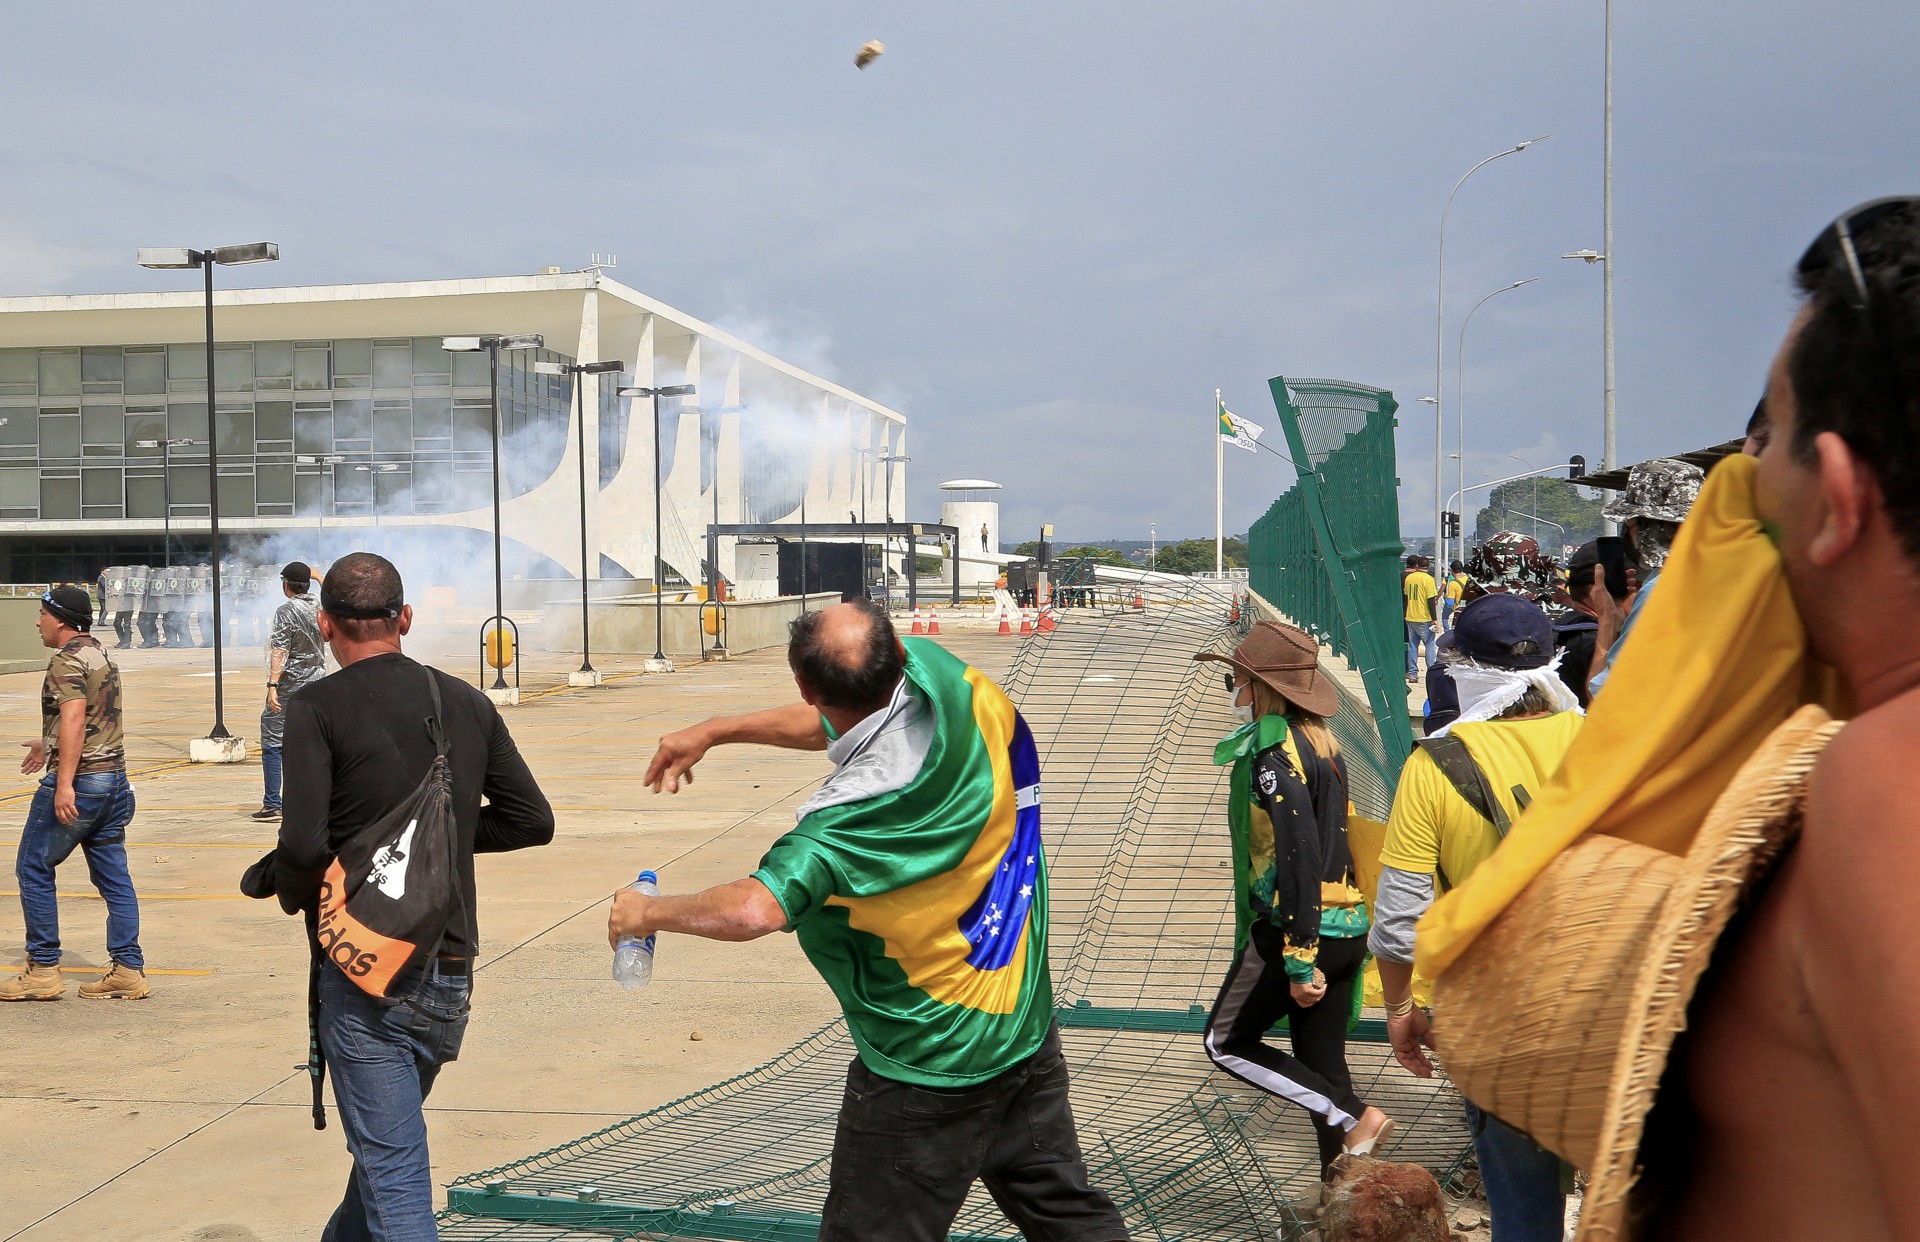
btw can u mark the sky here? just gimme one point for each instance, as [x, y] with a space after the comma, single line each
[1044, 232]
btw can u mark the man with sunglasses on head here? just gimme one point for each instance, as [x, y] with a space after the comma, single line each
[84, 802]
[1799, 1056]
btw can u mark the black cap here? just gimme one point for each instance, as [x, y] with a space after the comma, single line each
[1586, 556]
[296, 573]
[69, 604]
[1504, 630]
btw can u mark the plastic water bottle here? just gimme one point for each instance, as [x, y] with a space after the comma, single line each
[633, 958]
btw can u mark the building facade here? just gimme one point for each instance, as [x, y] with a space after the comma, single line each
[342, 422]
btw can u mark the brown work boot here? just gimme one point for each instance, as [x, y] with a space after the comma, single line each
[36, 982]
[120, 983]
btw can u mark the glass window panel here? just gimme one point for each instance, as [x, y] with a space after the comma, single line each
[101, 424]
[187, 362]
[431, 364]
[145, 427]
[310, 494]
[471, 489]
[19, 489]
[19, 366]
[189, 485]
[353, 357]
[21, 425]
[233, 370]
[187, 420]
[102, 365]
[273, 358]
[393, 431]
[393, 492]
[60, 436]
[146, 373]
[100, 487]
[470, 370]
[60, 498]
[264, 509]
[313, 431]
[432, 486]
[274, 485]
[352, 420]
[351, 486]
[472, 430]
[236, 432]
[146, 496]
[432, 417]
[273, 420]
[311, 369]
[393, 368]
[236, 495]
[59, 372]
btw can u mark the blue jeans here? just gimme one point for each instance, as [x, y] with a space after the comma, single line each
[270, 771]
[384, 1058]
[1522, 1181]
[105, 804]
[1418, 633]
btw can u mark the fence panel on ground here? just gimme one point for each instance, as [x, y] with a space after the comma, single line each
[1140, 875]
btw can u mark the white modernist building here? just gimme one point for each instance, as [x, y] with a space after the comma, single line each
[337, 409]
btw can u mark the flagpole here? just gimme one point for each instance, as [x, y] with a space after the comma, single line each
[1219, 488]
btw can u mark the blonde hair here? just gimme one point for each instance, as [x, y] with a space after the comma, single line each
[1270, 702]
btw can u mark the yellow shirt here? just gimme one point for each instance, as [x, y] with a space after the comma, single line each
[1418, 590]
[1434, 831]
[1455, 588]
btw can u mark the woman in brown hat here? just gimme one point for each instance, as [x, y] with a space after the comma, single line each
[1302, 924]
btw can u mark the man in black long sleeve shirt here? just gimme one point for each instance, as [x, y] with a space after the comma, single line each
[356, 747]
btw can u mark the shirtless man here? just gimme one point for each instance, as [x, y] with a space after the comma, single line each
[1800, 1073]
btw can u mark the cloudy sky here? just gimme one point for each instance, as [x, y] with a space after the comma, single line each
[1046, 232]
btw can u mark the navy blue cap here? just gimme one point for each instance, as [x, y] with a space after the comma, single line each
[1504, 630]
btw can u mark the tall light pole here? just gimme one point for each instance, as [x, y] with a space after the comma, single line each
[1460, 403]
[328, 460]
[225, 748]
[1440, 330]
[659, 663]
[911, 568]
[1606, 240]
[1535, 475]
[493, 344]
[586, 676]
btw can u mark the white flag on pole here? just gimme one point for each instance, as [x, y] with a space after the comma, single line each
[1237, 430]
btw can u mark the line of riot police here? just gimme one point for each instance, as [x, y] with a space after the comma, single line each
[172, 606]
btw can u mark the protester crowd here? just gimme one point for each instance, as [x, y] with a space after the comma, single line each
[915, 878]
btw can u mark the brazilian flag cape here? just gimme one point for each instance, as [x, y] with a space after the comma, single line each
[924, 905]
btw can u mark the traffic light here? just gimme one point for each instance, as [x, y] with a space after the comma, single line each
[1576, 467]
[1450, 525]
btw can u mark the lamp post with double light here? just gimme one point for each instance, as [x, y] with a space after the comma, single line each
[659, 663]
[166, 448]
[1460, 412]
[586, 676]
[493, 636]
[221, 746]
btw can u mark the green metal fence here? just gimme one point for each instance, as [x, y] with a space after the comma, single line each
[1327, 553]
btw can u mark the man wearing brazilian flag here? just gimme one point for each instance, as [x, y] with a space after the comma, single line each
[916, 883]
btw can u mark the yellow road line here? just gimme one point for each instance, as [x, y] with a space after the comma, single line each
[101, 970]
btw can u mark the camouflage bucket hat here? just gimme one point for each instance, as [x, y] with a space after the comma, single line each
[1662, 489]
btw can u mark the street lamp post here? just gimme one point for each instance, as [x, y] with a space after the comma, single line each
[1440, 329]
[493, 344]
[328, 460]
[1460, 402]
[586, 676]
[222, 747]
[166, 448]
[911, 568]
[659, 663]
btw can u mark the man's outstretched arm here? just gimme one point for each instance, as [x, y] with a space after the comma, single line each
[742, 910]
[795, 727]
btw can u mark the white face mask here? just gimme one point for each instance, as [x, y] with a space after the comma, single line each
[1243, 712]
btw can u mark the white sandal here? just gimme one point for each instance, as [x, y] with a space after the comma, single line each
[1377, 1144]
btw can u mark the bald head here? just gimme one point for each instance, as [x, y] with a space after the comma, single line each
[846, 657]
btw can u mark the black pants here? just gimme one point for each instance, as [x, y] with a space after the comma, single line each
[1256, 995]
[904, 1158]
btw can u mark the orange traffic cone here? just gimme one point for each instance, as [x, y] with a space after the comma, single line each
[1026, 622]
[933, 623]
[1047, 623]
[1234, 616]
[919, 626]
[1139, 600]
[1006, 626]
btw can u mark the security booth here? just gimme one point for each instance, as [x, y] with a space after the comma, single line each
[831, 556]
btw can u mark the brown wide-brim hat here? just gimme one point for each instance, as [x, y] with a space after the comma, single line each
[1286, 659]
[1559, 1018]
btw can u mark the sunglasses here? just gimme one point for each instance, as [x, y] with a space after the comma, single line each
[1836, 243]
